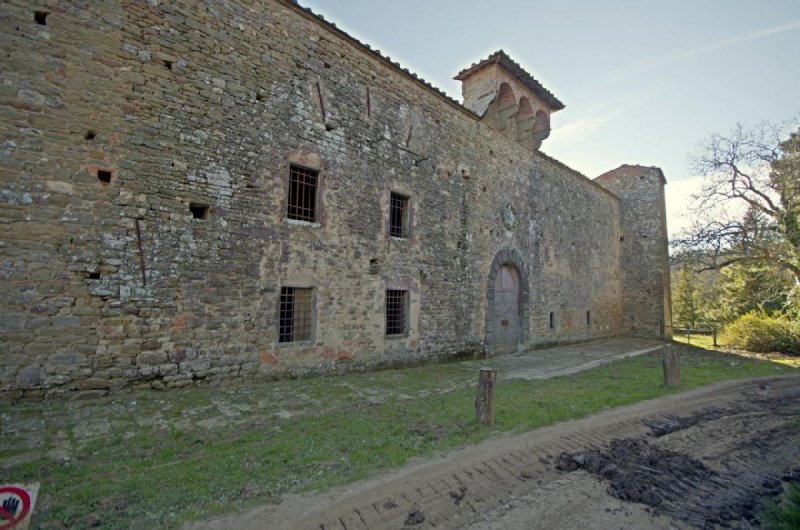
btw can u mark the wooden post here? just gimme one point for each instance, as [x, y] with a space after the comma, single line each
[484, 402]
[672, 370]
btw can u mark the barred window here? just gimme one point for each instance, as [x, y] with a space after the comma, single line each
[396, 312]
[302, 204]
[294, 320]
[398, 215]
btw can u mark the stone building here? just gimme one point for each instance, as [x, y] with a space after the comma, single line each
[198, 189]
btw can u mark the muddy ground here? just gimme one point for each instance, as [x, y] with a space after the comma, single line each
[707, 458]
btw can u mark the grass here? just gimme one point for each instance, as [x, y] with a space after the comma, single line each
[156, 467]
[706, 342]
[785, 513]
[701, 341]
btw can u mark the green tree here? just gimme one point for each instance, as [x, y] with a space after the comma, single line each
[748, 212]
[686, 299]
[743, 288]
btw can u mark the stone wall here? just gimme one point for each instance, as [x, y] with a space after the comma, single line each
[646, 299]
[117, 116]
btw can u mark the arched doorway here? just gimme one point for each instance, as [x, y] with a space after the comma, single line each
[507, 325]
[506, 303]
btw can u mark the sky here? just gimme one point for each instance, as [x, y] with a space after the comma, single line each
[643, 81]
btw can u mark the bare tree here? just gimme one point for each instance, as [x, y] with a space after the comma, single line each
[748, 210]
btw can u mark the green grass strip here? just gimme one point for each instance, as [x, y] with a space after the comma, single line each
[158, 465]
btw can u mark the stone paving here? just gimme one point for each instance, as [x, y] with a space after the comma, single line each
[563, 360]
[60, 427]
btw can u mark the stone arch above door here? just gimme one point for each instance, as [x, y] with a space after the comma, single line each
[507, 257]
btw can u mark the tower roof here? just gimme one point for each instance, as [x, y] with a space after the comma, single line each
[502, 59]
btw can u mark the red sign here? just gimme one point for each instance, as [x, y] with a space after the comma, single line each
[15, 507]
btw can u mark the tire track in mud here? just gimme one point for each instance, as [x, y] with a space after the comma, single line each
[704, 458]
[709, 469]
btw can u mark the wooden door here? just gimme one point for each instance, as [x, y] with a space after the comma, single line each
[507, 325]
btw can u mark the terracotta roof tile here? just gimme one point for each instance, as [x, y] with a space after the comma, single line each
[500, 57]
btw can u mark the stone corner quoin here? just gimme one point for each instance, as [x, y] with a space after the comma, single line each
[193, 193]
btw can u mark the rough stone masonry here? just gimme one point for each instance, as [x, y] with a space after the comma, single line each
[204, 189]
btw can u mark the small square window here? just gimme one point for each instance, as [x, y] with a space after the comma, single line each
[294, 319]
[398, 215]
[199, 211]
[396, 312]
[302, 204]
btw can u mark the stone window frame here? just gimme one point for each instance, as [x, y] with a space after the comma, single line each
[314, 164]
[405, 222]
[292, 166]
[312, 313]
[397, 188]
[406, 309]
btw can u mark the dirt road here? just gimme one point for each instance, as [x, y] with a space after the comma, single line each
[704, 458]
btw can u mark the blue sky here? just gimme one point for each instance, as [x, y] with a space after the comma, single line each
[644, 82]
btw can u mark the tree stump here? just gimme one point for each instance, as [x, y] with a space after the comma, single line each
[672, 370]
[484, 402]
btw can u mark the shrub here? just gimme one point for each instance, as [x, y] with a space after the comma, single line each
[759, 332]
[783, 515]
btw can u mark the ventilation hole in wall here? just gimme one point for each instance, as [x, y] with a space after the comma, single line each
[374, 266]
[327, 64]
[510, 160]
[167, 64]
[329, 127]
[491, 152]
[90, 135]
[622, 238]
[94, 275]
[448, 173]
[104, 176]
[41, 17]
[199, 211]
[484, 189]
[259, 96]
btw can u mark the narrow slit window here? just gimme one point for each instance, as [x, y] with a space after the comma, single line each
[398, 215]
[303, 183]
[294, 315]
[588, 319]
[396, 312]
[552, 320]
